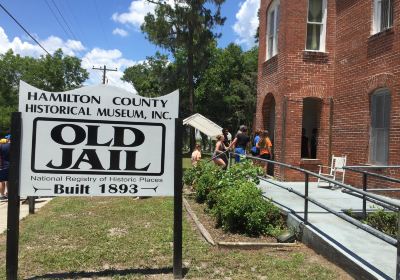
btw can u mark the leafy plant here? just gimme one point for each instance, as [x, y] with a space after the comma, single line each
[383, 221]
[242, 209]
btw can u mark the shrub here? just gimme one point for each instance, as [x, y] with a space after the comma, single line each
[383, 221]
[194, 172]
[243, 210]
[207, 180]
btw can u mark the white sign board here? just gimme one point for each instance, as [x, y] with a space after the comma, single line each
[96, 141]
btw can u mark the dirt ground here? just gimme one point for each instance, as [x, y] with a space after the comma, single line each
[219, 235]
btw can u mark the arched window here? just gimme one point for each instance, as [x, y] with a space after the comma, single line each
[272, 29]
[380, 123]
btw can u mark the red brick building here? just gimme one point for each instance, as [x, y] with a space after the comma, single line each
[330, 68]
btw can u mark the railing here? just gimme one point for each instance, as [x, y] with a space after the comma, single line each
[365, 175]
[382, 201]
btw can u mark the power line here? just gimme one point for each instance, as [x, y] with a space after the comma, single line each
[23, 28]
[65, 30]
[66, 23]
[54, 15]
[104, 69]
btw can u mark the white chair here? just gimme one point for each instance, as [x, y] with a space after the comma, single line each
[334, 172]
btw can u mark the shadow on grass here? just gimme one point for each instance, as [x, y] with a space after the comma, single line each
[108, 272]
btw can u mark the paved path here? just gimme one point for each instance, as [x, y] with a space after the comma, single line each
[24, 211]
[369, 252]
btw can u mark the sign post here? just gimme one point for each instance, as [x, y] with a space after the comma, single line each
[95, 141]
[178, 201]
[13, 199]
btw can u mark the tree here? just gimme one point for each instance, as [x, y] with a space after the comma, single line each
[185, 27]
[227, 90]
[154, 77]
[51, 73]
[58, 72]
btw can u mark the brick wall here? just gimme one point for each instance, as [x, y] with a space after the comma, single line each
[292, 75]
[364, 63]
[343, 77]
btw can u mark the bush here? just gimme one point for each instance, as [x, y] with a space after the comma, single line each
[233, 177]
[383, 221]
[243, 210]
[194, 172]
[206, 182]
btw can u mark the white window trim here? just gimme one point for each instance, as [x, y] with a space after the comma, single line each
[274, 7]
[322, 47]
[376, 19]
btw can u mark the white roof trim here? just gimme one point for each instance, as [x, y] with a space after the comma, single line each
[203, 124]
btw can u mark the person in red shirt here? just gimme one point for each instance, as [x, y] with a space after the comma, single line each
[265, 147]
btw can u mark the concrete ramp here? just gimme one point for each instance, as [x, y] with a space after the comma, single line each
[358, 252]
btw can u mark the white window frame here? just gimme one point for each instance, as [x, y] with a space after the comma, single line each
[377, 16]
[322, 37]
[274, 8]
[382, 131]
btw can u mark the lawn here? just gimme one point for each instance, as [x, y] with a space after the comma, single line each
[124, 238]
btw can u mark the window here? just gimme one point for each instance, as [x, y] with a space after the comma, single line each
[316, 25]
[380, 120]
[383, 15]
[272, 29]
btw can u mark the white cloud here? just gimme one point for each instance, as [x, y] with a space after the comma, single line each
[247, 22]
[96, 57]
[28, 48]
[113, 59]
[120, 32]
[137, 11]
[135, 16]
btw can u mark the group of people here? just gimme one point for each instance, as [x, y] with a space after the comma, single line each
[4, 165]
[262, 146]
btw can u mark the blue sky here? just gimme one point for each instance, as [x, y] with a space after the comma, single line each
[104, 32]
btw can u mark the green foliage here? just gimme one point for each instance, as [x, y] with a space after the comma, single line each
[243, 209]
[234, 199]
[227, 89]
[207, 182]
[383, 221]
[154, 77]
[51, 73]
[184, 27]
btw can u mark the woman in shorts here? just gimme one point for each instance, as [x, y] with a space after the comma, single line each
[265, 147]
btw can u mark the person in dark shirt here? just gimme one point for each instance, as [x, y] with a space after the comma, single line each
[240, 143]
[4, 167]
[225, 132]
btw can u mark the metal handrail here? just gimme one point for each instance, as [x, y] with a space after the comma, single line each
[365, 195]
[376, 197]
[391, 179]
[345, 217]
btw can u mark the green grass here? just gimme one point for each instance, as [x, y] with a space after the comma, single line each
[122, 238]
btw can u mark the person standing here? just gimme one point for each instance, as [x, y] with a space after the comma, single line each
[265, 146]
[240, 143]
[226, 134]
[219, 156]
[254, 150]
[4, 167]
[196, 155]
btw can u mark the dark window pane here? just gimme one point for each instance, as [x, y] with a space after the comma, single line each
[315, 10]
[380, 124]
[386, 14]
[313, 36]
[271, 22]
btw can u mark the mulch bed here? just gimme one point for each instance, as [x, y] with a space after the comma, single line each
[218, 234]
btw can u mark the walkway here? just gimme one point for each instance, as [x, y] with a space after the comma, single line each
[354, 245]
[24, 211]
